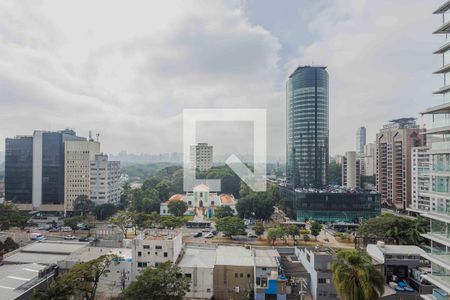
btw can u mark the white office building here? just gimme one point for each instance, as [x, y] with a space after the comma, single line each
[105, 180]
[198, 265]
[155, 246]
[369, 159]
[201, 156]
[351, 170]
[77, 170]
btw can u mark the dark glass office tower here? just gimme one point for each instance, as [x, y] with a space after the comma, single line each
[19, 169]
[307, 130]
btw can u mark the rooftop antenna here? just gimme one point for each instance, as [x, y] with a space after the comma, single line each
[98, 136]
[90, 136]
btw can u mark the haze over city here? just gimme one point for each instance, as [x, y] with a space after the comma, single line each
[128, 71]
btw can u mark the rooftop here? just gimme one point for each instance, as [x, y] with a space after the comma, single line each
[234, 256]
[90, 253]
[267, 258]
[227, 199]
[45, 253]
[15, 280]
[199, 257]
[306, 67]
[158, 234]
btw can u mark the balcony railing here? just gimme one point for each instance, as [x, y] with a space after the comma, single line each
[440, 294]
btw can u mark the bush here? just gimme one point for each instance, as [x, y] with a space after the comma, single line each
[306, 238]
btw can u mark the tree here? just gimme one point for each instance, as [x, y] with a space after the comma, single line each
[73, 221]
[231, 226]
[10, 216]
[163, 189]
[172, 221]
[84, 277]
[259, 229]
[83, 205]
[9, 245]
[122, 220]
[258, 205]
[177, 208]
[105, 211]
[355, 277]
[335, 173]
[151, 183]
[160, 283]
[315, 229]
[404, 231]
[274, 234]
[293, 231]
[223, 211]
[57, 290]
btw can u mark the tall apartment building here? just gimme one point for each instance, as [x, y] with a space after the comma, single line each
[438, 137]
[307, 128]
[77, 169]
[360, 139]
[393, 152]
[420, 178]
[369, 159]
[201, 156]
[34, 170]
[105, 180]
[351, 170]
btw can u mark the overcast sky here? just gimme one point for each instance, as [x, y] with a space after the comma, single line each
[127, 69]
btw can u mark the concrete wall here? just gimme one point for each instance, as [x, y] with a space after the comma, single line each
[228, 280]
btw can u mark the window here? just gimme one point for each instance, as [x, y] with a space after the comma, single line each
[248, 275]
[324, 280]
[236, 275]
[188, 275]
[258, 280]
[208, 290]
[264, 269]
[142, 264]
[146, 247]
[241, 275]
[139, 253]
[158, 247]
[165, 254]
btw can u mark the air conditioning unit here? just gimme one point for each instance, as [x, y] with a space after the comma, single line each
[236, 289]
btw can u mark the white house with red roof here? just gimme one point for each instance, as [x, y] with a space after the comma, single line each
[200, 202]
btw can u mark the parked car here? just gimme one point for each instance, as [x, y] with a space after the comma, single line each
[83, 239]
[69, 237]
[198, 234]
[251, 235]
[66, 229]
[214, 232]
[209, 235]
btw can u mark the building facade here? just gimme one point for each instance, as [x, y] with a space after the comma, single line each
[45, 151]
[360, 139]
[438, 138]
[155, 246]
[105, 181]
[351, 170]
[201, 156]
[393, 151]
[77, 169]
[307, 117]
[420, 179]
[369, 157]
[201, 201]
[318, 262]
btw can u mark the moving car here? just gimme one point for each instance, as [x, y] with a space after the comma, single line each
[198, 234]
[66, 229]
[69, 237]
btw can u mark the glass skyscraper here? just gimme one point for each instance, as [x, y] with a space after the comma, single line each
[307, 130]
[360, 139]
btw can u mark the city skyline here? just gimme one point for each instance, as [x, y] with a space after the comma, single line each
[79, 76]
